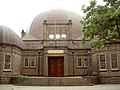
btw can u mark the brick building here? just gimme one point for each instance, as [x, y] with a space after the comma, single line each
[51, 47]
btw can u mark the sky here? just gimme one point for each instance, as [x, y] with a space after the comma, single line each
[19, 14]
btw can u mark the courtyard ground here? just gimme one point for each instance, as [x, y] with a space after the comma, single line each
[95, 87]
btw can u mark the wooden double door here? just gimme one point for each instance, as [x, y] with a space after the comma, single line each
[55, 66]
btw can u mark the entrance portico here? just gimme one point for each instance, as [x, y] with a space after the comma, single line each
[55, 64]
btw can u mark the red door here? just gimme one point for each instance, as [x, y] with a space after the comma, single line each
[55, 66]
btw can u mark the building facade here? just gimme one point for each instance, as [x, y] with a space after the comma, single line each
[52, 48]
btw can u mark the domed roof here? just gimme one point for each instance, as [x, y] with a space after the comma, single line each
[7, 36]
[56, 16]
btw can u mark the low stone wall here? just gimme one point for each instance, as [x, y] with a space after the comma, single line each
[92, 79]
[18, 79]
[115, 80]
[104, 79]
[109, 80]
[5, 80]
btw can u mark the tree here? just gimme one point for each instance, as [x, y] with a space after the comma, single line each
[102, 22]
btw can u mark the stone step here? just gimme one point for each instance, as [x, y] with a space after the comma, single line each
[75, 82]
[52, 81]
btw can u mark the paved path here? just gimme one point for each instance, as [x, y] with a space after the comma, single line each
[96, 87]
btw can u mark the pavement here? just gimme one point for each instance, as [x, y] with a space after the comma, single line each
[95, 87]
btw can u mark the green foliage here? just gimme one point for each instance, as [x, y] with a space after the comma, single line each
[19, 79]
[102, 22]
[22, 78]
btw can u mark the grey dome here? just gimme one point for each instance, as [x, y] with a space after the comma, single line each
[7, 36]
[56, 16]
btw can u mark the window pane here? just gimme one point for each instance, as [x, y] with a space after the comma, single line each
[114, 56]
[102, 62]
[33, 62]
[79, 62]
[7, 62]
[51, 44]
[114, 61]
[86, 62]
[114, 64]
[103, 65]
[26, 62]
[102, 57]
[57, 43]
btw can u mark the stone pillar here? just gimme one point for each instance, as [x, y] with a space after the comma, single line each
[89, 64]
[44, 29]
[70, 29]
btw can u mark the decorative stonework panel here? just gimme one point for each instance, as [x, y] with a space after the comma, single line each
[60, 32]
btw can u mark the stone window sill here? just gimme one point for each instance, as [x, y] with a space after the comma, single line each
[7, 70]
[114, 69]
[103, 70]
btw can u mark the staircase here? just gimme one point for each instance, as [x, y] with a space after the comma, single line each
[53, 81]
